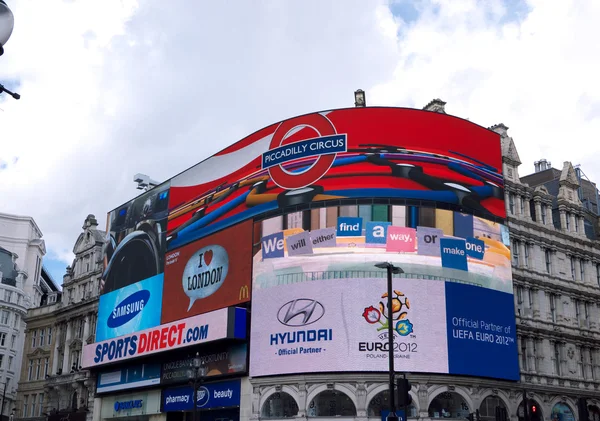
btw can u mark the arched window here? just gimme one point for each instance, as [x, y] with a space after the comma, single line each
[487, 409]
[562, 412]
[331, 403]
[74, 400]
[381, 401]
[535, 412]
[448, 405]
[279, 405]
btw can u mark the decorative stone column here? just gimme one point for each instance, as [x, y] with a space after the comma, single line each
[535, 303]
[531, 354]
[56, 355]
[574, 226]
[522, 254]
[65, 366]
[594, 315]
[545, 356]
[596, 367]
[423, 395]
[507, 202]
[549, 217]
[256, 403]
[302, 393]
[86, 327]
[560, 309]
[90, 386]
[527, 210]
[520, 352]
[581, 225]
[538, 209]
[563, 218]
[361, 400]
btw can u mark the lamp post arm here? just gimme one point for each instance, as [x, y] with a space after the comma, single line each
[13, 94]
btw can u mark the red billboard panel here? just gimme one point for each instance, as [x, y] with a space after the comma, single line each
[355, 153]
[209, 274]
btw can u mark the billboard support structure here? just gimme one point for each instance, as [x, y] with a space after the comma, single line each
[391, 269]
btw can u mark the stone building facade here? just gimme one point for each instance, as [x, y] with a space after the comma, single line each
[72, 321]
[553, 221]
[23, 285]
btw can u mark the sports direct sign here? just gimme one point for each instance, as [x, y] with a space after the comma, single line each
[219, 324]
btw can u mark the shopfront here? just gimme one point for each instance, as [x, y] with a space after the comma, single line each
[218, 401]
[138, 406]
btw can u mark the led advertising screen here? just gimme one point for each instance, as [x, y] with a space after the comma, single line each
[136, 240]
[354, 153]
[209, 274]
[131, 377]
[129, 309]
[320, 304]
[219, 360]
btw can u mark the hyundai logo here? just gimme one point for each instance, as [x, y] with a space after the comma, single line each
[300, 312]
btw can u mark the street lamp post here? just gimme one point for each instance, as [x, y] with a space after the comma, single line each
[196, 375]
[7, 23]
[391, 269]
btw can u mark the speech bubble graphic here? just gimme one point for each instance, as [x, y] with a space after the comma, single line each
[205, 272]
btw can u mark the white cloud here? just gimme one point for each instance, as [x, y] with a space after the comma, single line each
[113, 88]
[534, 71]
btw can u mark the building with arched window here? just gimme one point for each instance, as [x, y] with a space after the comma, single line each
[24, 284]
[53, 382]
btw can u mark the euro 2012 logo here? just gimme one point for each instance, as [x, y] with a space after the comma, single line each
[400, 305]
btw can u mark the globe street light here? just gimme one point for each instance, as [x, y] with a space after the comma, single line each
[196, 376]
[7, 23]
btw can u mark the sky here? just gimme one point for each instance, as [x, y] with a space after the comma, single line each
[114, 88]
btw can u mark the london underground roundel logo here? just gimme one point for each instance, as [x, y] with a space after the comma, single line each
[324, 143]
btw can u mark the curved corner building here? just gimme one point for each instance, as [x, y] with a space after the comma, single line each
[261, 262]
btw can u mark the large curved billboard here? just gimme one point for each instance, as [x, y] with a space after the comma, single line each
[350, 187]
[340, 154]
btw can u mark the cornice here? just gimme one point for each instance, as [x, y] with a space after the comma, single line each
[550, 283]
[81, 307]
[83, 277]
[556, 332]
[428, 380]
[514, 225]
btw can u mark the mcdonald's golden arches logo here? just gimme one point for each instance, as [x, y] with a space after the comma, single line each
[244, 292]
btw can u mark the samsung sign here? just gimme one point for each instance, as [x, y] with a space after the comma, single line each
[223, 394]
[130, 309]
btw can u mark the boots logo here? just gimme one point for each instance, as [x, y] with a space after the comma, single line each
[205, 273]
[203, 396]
[287, 146]
[400, 306]
[300, 312]
[127, 309]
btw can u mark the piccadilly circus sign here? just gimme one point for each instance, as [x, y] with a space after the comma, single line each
[291, 143]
